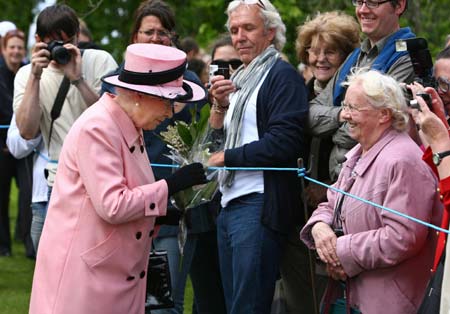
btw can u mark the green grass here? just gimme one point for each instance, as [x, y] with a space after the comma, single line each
[16, 274]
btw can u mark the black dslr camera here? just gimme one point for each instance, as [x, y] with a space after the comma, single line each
[58, 53]
[422, 64]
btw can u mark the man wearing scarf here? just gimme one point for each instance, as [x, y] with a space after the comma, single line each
[380, 23]
[262, 109]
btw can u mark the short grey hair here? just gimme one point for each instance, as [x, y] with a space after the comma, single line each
[383, 92]
[271, 18]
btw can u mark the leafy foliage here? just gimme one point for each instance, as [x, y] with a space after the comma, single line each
[111, 20]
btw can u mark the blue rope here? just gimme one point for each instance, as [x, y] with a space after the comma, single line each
[45, 157]
[4, 126]
[301, 172]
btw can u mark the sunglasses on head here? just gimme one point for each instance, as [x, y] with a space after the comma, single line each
[234, 63]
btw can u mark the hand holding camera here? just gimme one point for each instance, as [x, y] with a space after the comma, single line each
[40, 59]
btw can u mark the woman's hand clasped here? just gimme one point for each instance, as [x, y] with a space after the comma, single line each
[325, 241]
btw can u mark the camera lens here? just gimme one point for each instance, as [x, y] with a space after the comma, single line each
[61, 55]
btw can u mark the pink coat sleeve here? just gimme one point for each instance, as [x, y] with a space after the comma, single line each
[105, 172]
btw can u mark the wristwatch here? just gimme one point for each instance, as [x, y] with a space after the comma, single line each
[437, 157]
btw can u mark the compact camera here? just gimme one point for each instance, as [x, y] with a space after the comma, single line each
[214, 69]
[414, 104]
[58, 53]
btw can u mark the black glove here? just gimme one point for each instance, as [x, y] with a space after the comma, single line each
[173, 216]
[185, 177]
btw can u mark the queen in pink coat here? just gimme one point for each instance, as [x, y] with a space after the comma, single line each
[383, 258]
[93, 253]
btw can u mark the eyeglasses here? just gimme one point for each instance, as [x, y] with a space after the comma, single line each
[234, 63]
[369, 3]
[443, 84]
[159, 33]
[352, 109]
[257, 2]
[330, 54]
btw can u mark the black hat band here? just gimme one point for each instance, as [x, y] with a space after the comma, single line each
[152, 78]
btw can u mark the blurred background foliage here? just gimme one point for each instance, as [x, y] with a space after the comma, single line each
[110, 20]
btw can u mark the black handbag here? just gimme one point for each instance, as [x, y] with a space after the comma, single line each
[159, 288]
[432, 299]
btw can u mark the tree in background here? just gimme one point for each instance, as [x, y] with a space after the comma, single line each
[110, 21]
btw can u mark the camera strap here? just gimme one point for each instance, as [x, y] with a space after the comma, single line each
[58, 103]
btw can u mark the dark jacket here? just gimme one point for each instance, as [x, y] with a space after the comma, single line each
[281, 110]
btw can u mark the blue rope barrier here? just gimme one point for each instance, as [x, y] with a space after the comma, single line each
[380, 206]
[45, 157]
[301, 172]
[4, 126]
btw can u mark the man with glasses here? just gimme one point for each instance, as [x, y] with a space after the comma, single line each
[262, 109]
[37, 84]
[379, 21]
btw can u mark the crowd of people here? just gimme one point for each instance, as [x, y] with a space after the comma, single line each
[84, 132]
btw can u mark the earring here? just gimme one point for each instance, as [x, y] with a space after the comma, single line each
[136, 104]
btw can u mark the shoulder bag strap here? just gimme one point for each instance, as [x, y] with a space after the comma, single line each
[57, 105]
[59, 101]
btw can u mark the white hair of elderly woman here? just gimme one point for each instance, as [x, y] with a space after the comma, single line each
[382, 91]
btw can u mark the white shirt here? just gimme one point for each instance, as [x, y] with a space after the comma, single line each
[245, 182]
[20, 148]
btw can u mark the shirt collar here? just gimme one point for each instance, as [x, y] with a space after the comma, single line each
[366, 46]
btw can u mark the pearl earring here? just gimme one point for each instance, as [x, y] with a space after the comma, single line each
[136, 104]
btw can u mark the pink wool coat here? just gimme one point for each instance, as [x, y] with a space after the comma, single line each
[93, 253]
[386, 257]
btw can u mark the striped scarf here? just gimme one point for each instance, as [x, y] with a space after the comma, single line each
[246, 79]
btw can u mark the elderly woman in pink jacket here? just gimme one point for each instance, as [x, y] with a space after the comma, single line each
[383, 258]
[93, 253]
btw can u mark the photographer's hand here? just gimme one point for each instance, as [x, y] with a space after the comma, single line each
[432, 129]
[40, 59]
[73, 71]
[325, 241]
[220, 90]
[73, 68]
[437, 105]
[28, 113]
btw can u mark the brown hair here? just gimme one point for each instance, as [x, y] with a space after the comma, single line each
[337, 29]
[11, 34]
[156, 8]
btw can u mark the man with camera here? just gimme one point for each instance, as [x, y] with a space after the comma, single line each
[262, 109]
[37, 85]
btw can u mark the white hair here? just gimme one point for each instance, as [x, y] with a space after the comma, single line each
[382, 91]
[271, 18]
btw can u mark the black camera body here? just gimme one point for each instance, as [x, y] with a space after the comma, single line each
[421, 59]
[422, 64]
[58, 52]
[214, 69]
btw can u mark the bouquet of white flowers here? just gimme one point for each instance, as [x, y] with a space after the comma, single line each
[190, 143]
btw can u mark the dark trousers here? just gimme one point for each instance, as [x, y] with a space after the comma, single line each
[205, 276]
[21, 170]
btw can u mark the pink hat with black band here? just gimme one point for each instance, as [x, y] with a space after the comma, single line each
[156, 70]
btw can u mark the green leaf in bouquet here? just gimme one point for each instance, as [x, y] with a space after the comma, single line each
[185, 134]
[203, 120]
